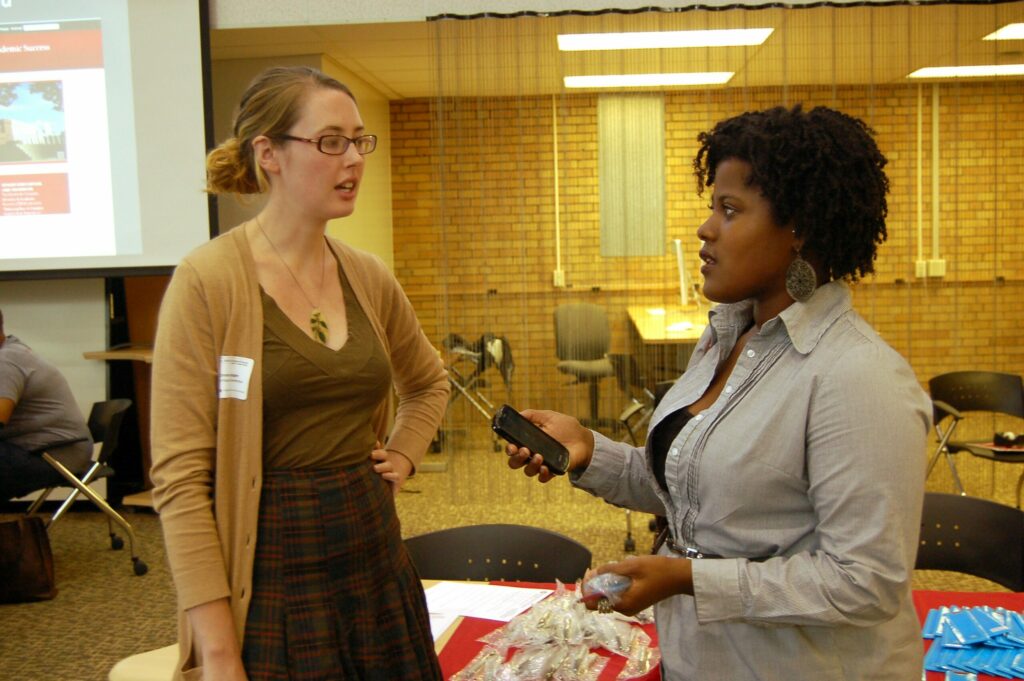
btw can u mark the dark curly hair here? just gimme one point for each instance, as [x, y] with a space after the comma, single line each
[820, 170]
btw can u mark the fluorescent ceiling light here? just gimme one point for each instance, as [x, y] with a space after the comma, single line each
[1008, 32]
[646, 40]
[650, 79]
[982, 71]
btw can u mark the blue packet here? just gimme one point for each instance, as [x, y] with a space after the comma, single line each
[1002, 663]
[960, 660]
[607, 585]
[949, 640]
[1015, 628]
[988, 621]
[965, 628]
[1018, 664]
[961, 676]
[934, 659]
[971, 660]
[984, 660]
[934, 622]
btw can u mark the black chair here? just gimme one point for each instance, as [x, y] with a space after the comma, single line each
[104, 423]
[582, 341]
[511, 553]
[973, 536]
[955, 394]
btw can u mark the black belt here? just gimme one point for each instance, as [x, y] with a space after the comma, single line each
[691, 552]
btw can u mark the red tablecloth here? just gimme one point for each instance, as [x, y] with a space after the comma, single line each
[463, 644]
[927, 600]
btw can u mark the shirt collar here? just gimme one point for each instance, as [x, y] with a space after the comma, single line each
[805, 323]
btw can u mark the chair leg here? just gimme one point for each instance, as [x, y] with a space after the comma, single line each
[39, 501]
[137, 564]
[630, 544]
[943, 451]
[1020, 484]
[595, 400]
[956, 476]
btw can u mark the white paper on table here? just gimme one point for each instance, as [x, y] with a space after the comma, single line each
[439, 623]
[485, 601]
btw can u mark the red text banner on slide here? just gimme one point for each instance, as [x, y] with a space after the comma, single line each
[48, 50]
[34, 194]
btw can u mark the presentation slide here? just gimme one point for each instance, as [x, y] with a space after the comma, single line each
[81, 83]
[56, 188]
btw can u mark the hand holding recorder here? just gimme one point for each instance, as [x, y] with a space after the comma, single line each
[565, 430]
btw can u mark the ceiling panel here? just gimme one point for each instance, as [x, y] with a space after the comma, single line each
[494, 57]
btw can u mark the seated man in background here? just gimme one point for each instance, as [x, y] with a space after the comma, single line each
[37, 410]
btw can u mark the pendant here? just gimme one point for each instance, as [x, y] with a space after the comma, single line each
[318, 325]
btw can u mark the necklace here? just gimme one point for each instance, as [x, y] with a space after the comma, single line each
[317, 323]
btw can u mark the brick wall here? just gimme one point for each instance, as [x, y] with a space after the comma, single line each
[474, 223]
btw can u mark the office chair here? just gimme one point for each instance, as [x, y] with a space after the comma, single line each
[582, 341]
[104, 423]
[973, 536]
[511, 553]
[956, 393]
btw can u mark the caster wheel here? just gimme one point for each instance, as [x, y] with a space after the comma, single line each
[140, 567]
[116, 542]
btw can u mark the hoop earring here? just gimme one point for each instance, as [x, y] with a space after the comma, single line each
[801, 281]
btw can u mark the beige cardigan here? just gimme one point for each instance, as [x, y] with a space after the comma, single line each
[212, 310]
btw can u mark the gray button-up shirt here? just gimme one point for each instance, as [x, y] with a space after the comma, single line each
[814, 456]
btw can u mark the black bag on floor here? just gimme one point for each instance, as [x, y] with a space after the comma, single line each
[26, 562]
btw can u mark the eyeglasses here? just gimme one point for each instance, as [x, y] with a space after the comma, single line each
[336, 145]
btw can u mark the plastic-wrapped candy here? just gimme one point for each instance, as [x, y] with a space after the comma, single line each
[607, 585]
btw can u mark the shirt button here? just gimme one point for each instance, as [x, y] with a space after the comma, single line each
[698, 417]
[751, 353]
[674, 451]
[728, 390]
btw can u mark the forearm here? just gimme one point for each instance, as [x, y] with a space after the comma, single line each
[214, 629]
[220, 653]
[618, 473]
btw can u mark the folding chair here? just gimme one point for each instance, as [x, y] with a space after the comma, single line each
[956, 393]
[973, 536]
[104, 423]
[511, 553]
[490, 350]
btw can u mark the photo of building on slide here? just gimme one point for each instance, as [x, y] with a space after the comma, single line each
[32, 122]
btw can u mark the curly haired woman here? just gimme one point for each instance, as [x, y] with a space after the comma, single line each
[789, 459]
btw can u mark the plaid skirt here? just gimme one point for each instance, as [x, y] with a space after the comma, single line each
[334, 596]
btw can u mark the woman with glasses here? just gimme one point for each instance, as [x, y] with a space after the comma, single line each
[788, 460]
[277, 352]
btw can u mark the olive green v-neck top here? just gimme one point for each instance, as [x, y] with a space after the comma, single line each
[318, 403]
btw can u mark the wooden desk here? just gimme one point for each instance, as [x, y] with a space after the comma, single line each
[138, 353]
[672, 324]
[667, 337]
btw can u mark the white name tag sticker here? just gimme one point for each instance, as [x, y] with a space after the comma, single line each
[233, 377]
